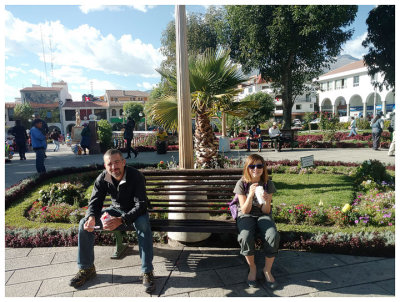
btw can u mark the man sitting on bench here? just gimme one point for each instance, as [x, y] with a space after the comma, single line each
[276, 136]
[126, 185]
[254, 133]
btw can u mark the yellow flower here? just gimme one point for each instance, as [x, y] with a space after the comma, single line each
[346, 208]
[320, 203]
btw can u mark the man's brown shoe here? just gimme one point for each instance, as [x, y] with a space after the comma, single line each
[82, 276]
[148, 282]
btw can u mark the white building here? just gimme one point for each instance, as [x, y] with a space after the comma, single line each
[302, 104]
[348, 91]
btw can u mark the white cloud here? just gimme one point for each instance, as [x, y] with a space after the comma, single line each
[146, 85]
[88, 8]
[83, 46]
[11, 91]
[12, 72]
[354, 47]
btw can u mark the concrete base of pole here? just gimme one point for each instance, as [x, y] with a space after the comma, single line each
[224, 144]
[182, 236]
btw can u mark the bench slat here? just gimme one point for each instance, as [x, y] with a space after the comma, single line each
[194, 205]
[188, 211]
[199, 182]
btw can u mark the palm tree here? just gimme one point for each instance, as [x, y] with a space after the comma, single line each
[214, 81]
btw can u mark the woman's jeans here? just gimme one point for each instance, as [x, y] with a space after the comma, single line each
[57, 145]
[352, 132]
[144, 234]
[249, 226]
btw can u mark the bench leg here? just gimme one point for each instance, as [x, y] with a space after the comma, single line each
[120, 248]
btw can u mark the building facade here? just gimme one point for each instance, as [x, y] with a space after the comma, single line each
[349, 91]
[116, 100]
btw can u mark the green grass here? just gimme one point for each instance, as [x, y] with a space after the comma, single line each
[332, 190]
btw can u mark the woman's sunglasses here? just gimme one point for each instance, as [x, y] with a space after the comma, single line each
[259, 166]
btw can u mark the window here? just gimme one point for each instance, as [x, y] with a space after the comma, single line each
[329, 85]
[343, 83]
[264, 87]
[121, 111]
[250, 89]
[70, 115]
[279, 108]
[324, 86]
[338, 84]
[356, 81]
[10, 114]
[298, 107]
[308, 97]
[311, 106]
[101, 114]
[113, 112]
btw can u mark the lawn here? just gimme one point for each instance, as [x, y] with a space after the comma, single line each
[332, 190]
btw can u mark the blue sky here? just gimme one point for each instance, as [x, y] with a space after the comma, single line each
[112, 47]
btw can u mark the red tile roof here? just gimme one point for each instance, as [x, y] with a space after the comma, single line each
[9, 105]
[122, 93]
[38, 105]
[351, 66]
[95, 104]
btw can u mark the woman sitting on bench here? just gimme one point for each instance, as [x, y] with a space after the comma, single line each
[255, 190]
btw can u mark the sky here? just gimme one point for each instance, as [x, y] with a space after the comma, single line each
[96, 48]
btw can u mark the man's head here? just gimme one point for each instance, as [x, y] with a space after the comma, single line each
[274, 125]
[37, 123]
[380, 113]
[114, 163]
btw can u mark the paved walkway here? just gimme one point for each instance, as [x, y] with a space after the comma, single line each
[206, 270]
[183, 271]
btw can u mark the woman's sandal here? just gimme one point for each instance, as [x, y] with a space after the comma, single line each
[251, 283]
[269, 284]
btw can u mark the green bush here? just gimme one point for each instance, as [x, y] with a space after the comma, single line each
[371, 170]
[52, 213]
[363, 124]
[63, 193]
[104, 134]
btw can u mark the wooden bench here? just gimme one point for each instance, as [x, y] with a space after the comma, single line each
[288, 135]
[206, 191]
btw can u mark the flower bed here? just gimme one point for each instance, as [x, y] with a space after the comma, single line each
[372, 209]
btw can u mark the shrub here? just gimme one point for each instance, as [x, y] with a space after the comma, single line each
[371, 170]
[363, 124]
[63, 193]
[104, 133]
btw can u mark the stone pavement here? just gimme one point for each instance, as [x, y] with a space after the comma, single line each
[16, 170]
[188, 271]
[205, 270]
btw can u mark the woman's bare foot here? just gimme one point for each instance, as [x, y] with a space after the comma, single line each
[252, 274]
[269, 277]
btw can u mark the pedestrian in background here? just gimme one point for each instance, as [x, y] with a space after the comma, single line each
[392, 125]
[377, 129]
[39, 145]
[21, 138]
[85, 138]
[55, 137]
[352, 127]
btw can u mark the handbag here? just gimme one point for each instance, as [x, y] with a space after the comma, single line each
[233, 205]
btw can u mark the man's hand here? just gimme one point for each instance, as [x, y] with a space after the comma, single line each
[112, 224]
[89, 224]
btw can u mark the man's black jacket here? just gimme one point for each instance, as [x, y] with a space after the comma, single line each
[129, 196]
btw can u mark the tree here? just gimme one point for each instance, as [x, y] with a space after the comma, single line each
[214, 81]
[380, 41]
[133, 110]
[289, 44]
[202, 33]
[263, 111]
[24, 113]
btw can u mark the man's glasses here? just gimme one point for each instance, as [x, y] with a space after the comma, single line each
[259, 166]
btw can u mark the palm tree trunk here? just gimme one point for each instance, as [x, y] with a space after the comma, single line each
[205, 149]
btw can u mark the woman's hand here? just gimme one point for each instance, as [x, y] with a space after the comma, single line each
[252, 189]
[267, 197]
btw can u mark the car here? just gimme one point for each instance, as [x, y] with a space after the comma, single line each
[316, 121]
